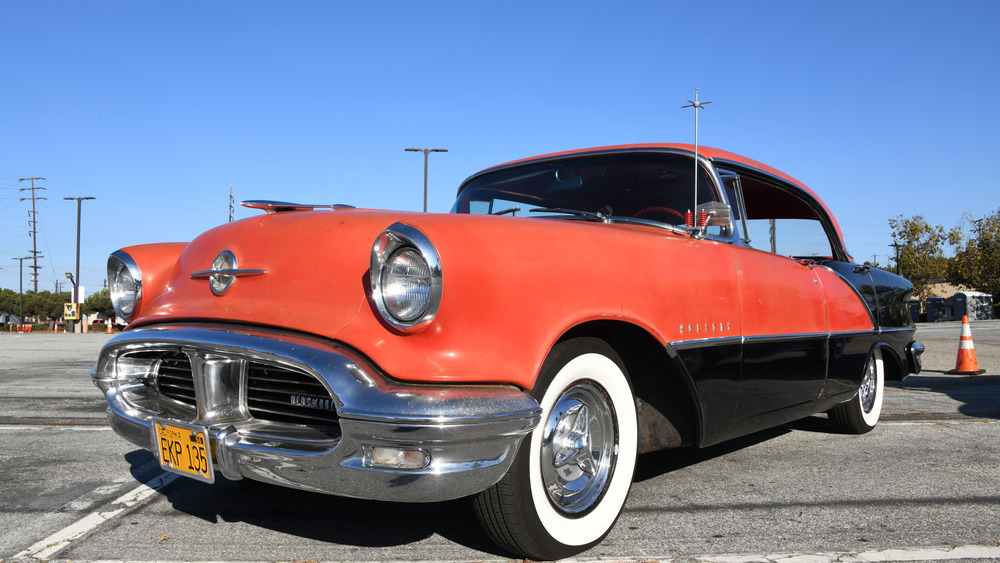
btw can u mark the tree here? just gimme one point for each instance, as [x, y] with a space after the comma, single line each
[921, 255]
[9, 302]
[977, 260]
[99, 303]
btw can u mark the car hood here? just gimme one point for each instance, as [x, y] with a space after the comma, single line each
[315, 271]
[504, 277]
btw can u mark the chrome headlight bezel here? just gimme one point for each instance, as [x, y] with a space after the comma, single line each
[124, 285]
[403, 242]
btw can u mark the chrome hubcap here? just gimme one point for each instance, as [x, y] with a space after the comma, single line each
[868, 385]
[579, 445]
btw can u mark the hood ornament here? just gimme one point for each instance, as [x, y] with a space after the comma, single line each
[224, 272]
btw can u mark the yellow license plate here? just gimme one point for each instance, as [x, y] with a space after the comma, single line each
[184, 449]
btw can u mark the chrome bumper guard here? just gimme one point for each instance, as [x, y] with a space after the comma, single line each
[464, 436]
[913, 352]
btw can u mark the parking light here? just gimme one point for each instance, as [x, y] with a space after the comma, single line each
[385, 457]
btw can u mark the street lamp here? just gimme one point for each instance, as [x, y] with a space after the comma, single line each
[426, 152]
[20, 291]
[76, 293]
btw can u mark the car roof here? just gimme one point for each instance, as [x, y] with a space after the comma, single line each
[714, 154]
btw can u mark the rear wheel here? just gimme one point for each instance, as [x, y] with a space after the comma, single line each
[572, 474]
[861, 414]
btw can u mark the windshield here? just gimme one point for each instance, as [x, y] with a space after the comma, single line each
[654, 186]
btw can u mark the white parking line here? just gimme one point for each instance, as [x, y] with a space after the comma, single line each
[881, 555]
[60, 540]
[876, 556]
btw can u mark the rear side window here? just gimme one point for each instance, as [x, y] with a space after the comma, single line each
[779, 218]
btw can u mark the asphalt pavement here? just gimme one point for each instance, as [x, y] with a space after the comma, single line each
[922, 486]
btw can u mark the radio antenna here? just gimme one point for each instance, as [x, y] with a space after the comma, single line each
[697, 106]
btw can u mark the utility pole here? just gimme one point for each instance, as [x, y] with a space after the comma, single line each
[20, 291]
[896, 245]
[34, 226]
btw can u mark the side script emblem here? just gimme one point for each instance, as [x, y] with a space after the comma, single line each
[224, 272]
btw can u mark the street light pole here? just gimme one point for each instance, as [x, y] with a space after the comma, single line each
[76, 291]
[20, 291]
[426, 153]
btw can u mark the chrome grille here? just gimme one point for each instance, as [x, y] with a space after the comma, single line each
[274, 393]
[173, 377]
[285, 395]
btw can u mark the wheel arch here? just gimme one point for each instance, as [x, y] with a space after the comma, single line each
[665, 400]
[892, 363]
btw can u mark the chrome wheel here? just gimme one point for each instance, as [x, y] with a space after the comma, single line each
[578, 448]
[572, 474]
[869, 385]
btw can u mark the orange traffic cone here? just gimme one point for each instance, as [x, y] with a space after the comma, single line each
[966, 363]
[109, 327]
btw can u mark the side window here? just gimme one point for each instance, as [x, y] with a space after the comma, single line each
[776, 219]
[790, 237]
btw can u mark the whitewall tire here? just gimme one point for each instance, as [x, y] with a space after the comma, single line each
[572, 475]
[861, 414]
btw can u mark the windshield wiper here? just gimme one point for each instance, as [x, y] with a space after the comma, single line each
[609, 218]
[588, 214]
[511, 210]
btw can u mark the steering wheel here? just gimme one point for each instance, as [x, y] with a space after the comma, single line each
[658, 209]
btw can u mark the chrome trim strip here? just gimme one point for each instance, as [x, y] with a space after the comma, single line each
[708, 342]
[236, 273]
[787, 337]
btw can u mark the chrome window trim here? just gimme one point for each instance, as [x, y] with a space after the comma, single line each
[706, 163]
[837, 245]
[396, 237]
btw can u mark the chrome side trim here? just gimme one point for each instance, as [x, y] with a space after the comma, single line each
[709, 342]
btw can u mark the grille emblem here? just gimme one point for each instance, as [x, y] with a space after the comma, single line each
[312, 402]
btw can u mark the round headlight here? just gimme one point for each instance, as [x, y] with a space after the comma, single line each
[406, 278]
[406, 286]
[125, 284]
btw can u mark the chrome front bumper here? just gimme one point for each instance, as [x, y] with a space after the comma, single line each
[468, 434]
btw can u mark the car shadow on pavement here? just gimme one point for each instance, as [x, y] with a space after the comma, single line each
[653, 464]
[934, 392]
[320, 517]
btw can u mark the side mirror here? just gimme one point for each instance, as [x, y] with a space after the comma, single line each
[719, 214]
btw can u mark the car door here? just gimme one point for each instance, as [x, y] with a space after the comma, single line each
[782, 306]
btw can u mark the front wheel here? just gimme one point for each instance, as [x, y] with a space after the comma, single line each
[569, 482]
[861, 414]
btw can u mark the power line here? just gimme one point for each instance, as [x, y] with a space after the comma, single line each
[33, 223]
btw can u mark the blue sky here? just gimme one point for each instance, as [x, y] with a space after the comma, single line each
[155, 108]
